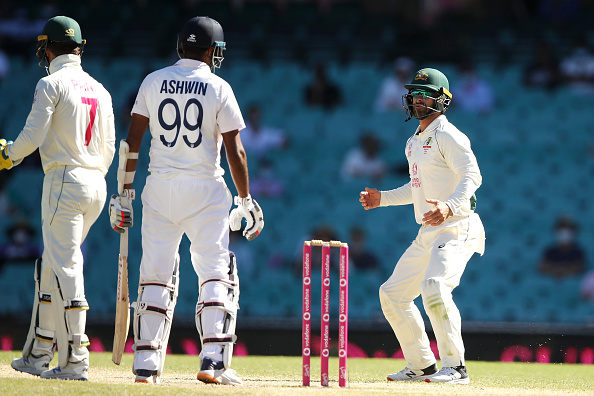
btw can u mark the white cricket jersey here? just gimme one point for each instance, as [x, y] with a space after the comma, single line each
[442, 166]
[71, 120]
[188, 109]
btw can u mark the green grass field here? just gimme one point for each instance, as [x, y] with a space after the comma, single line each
[280, 375]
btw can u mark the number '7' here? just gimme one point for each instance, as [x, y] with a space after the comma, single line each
[93, 103]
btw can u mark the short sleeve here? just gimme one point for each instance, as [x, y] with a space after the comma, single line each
[229, 117]
[140, 106]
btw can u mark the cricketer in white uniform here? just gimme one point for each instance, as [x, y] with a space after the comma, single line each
[444, 176]
[191, 113]
[72, 123]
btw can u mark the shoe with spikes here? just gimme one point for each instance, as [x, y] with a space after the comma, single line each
[408, 374]
[32, 365]
[212, 372]
[72, 371]
[147, 377]
[451, 375]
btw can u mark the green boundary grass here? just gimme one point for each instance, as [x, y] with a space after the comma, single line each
[279, 375]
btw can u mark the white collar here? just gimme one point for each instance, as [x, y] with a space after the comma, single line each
[434, 124]
[185, 62]
[67, 60]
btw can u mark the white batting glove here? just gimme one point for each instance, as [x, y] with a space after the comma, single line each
[121, 215]
[249, 209]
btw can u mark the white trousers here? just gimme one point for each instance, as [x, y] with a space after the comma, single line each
[432, 267]
[185, 205]
[72, 200]
[173, 207]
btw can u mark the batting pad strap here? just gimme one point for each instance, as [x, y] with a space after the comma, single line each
[44, 335]
[76, 303]
[164, 285]
[78, 340]
[227, 282]
[152, 308]
[45, 298]
[219, 339]
[148, 345]
[229, 306]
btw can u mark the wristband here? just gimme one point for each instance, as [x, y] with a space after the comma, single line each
[243, 201]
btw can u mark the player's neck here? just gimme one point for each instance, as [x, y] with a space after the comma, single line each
[425, 122]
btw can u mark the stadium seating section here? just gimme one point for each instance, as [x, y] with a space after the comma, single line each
[533, 150]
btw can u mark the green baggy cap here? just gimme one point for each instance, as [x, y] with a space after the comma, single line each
[62, 28]
[431, 79]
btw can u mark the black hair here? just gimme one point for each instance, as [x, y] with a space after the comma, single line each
[64, 47]
[194, 52]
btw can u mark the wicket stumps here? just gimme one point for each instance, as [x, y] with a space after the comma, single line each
[325, 317]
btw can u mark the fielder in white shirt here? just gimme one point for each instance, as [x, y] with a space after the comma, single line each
[444, 176]
[72, 124]
[191, 112]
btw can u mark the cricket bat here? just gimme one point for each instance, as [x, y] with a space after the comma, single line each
[122, 319]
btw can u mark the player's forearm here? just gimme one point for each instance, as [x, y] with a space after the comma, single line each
[237, 159]
[38, 121]
[466, 187]
[462, 161]
[239, 171]
[138, 126]
[31, 137]
[24, 148]
[399, 196]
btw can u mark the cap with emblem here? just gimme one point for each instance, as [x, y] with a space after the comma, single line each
[428, 78]
[62, 28]
[428, 83]
[59, 29]
[201, 32]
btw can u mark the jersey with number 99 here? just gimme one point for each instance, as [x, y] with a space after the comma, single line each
[188, 108]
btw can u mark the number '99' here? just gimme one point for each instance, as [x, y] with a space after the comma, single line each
[178, 121]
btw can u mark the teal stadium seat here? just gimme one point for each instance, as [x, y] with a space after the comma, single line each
[17, 287]
[25, 187]
[532, 157]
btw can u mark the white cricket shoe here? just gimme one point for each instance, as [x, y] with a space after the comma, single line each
[147, 377]
[73, 371]
[32, 365]
[451, 375]
[408, 374]
[215, 373]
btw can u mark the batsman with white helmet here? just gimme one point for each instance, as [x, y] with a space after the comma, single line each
[72, 124]
[191, 112]
[444, 176]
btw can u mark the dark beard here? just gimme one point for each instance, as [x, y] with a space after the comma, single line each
[421, 111]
